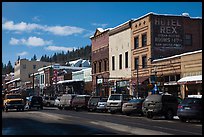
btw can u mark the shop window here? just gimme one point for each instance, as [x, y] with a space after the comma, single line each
[178, 77]
[166, 78]
[172, 78]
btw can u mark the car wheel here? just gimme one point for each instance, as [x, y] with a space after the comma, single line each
[169, 114]
[182, 119]
[150, 115]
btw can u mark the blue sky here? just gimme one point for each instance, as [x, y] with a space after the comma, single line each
[41, 28]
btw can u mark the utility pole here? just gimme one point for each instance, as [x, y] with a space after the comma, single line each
[137, 83]
[96, 85]
[33, 83]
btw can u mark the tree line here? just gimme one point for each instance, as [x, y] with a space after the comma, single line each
[62, 58]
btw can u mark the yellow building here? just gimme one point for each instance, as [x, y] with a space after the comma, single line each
[191, 73]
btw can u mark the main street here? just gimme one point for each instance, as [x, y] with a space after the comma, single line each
[52, 121]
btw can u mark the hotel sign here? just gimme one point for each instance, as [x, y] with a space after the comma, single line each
[167, 31]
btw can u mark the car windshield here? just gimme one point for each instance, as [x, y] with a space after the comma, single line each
[94, 100]
[114, 97]
[103, 100]
[192, 101]
[154, 98]
[135, 101]
[13, 96]
[36, 98]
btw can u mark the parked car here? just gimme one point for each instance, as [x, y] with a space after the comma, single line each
[80, 102]
[115, 102]
[66, 101]
[34, 102]
[57, 101]
[160, 105]
[133, 106]
[102, 105]
[48, 101]
[190, 108]
[93, 102]
[13, 101]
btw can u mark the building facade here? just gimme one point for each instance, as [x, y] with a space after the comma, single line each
[155, 37]
[100, 62]
[191, 74]
[119, 58]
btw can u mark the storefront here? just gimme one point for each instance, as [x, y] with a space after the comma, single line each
[191, 85]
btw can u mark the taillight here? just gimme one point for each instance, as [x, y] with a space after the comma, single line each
[179, 107]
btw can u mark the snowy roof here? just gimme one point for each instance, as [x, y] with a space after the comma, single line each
[175, 56]
[181, 15]
[101, 30]
[75, 61]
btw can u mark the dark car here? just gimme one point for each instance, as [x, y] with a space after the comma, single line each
[80, 102]
[160, 105]
[133, 106]
[34, 102]
[190, 108]
[93, 102]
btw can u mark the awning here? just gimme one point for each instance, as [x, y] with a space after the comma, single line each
[69, 81]
[17, 79]
[190, 80]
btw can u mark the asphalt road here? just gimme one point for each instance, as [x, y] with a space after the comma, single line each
[52, 121]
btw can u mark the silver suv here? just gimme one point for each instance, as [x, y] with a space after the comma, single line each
[115, 102]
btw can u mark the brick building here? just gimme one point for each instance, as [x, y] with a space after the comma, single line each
[100, 62]
[157, 36]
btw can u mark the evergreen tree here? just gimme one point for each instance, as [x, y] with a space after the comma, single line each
[9, 68]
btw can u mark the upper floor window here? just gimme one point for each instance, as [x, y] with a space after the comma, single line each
[136, 62]
[105, 65]
[94, 67]
[144, 40]
[136, 42]
[126, 59]
[24, 66]
[113, 63]
[188, 39]
[144, 61]
[34, 66]
[120, 61]
[100, 66]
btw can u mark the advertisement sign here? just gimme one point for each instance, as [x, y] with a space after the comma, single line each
[168, 31]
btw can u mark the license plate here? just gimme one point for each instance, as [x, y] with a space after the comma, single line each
[187, 108]
[150, 109]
